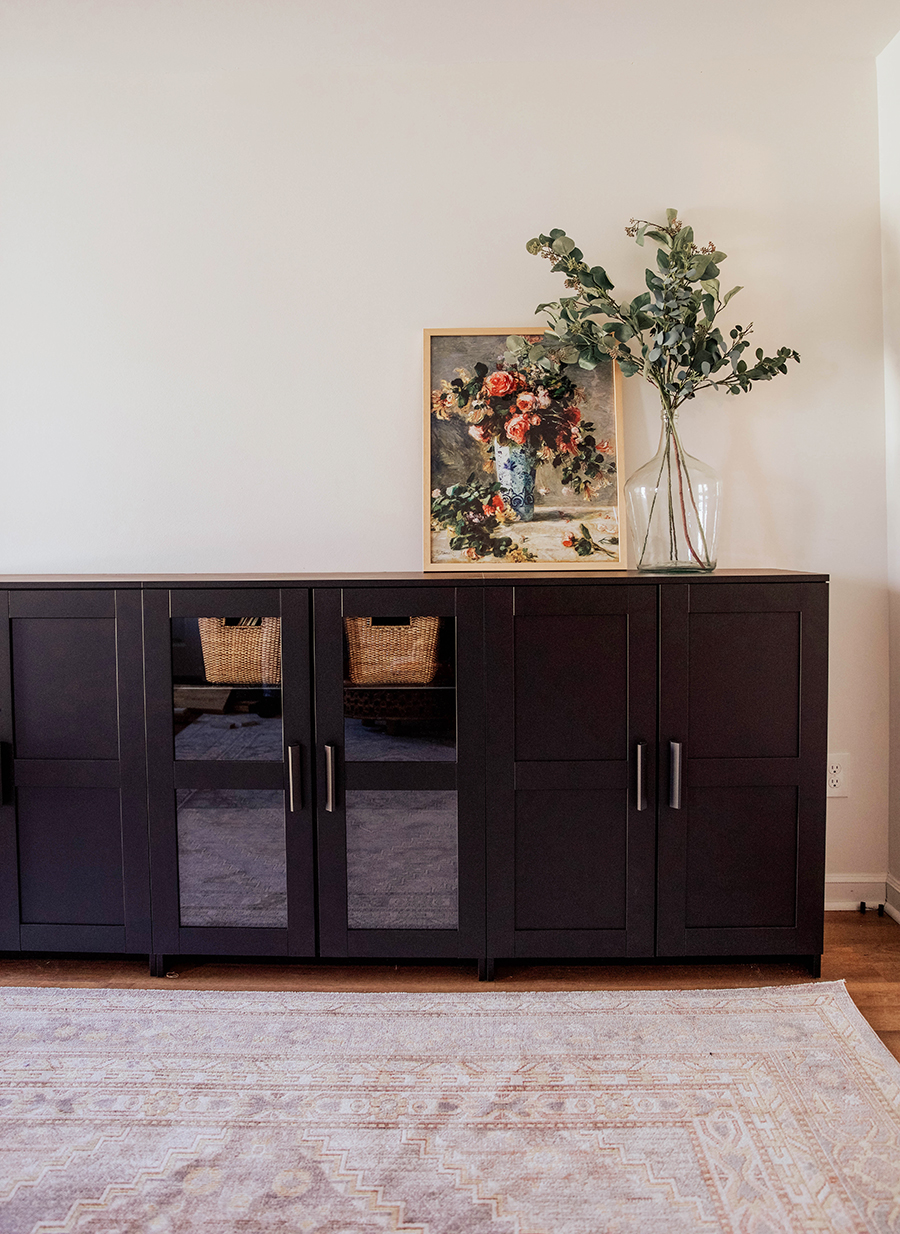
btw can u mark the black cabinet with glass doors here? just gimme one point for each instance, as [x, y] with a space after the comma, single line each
[478, 768]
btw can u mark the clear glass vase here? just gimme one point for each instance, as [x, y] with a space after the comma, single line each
[673, 508]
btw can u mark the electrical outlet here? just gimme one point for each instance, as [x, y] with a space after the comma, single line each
[838, 775]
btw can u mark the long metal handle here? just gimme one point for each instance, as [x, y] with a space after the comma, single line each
[641, 775]
[295, 783]
[675, 775]
[329, 779]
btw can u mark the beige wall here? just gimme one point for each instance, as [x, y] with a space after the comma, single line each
[889, 136]
[225, 225]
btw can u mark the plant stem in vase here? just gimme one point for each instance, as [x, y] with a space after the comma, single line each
[673, 508]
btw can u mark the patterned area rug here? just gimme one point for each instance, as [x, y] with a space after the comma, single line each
[758, 1111]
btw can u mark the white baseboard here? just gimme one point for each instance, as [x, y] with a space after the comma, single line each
[845, 892]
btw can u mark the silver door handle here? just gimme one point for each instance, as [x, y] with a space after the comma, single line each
[675, 775]
[329, 779]
[295, 783]
[641, 775]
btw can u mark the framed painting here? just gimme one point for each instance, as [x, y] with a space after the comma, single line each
[522, 456]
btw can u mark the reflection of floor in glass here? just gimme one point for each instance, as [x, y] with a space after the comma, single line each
[365, 744]
[239, 736]
[402, 866]
[231, 858]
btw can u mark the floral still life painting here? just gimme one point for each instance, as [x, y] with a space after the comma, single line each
[522, 455]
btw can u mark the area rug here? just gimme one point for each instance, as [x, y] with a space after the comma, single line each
[758, 1111]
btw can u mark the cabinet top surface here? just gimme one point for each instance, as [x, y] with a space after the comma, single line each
[17, 581]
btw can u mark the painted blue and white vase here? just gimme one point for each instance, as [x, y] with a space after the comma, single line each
[515, 466]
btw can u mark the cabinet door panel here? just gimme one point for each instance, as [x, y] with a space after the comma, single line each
[744, 685]
[570, 868]
[741, 857]
[70, 856]
[560, 660]
[65, 692]
[571, 692]
[76, 823]
[743, 690]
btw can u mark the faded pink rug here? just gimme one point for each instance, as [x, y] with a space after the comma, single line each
[759, 1111]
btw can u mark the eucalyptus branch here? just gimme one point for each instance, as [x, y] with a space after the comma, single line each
[673, 323]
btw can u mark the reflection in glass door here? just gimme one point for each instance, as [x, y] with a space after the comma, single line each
[400, 707]
[399, 689]
[229, 736]
[226, 688]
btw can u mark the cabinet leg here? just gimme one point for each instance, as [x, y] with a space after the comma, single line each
[157, 965]
[485, 970]
[815, 965]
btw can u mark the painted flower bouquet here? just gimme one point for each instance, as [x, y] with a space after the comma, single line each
[523, 412]
[528, 401]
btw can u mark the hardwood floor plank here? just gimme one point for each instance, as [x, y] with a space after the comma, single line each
[863, 950]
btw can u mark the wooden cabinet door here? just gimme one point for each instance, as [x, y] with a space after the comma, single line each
[400, 771]
[743, 692]
[571, 695]
[74, 871]
[229, 760]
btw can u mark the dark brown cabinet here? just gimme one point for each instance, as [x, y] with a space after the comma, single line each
[571, 700]
[742, 742]
[497, 767]
[73, 803]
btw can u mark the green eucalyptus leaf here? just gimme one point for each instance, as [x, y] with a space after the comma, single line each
[671, 216]
[709, 307]
[555, 234]
[601, 280]
[734, 291]
[563, 245]
[711, 286]
[639, 237]
[718, 257]
[515, 342]
[662, 261]
[659, 236]
[533, 247]
[584, 362]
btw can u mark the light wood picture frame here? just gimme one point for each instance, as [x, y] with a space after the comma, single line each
[476, 468]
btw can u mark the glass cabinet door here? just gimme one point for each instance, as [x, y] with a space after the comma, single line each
[397, 764]
[234, 752]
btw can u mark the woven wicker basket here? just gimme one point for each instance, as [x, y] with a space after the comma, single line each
[405, 655]
[241, 655]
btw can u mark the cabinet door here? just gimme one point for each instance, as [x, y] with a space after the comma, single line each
[571, 674]
[229, 727]
[743, 692]
[400, 749]
[73, 820]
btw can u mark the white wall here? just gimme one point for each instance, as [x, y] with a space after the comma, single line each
[889, 131]
[225, 223]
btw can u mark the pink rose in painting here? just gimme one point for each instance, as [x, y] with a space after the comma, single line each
[543, 398]
[480, 433]
[517, 427]
[565, 444]
[500, 384]
[525, 401]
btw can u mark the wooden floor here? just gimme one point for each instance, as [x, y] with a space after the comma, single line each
[863, 950]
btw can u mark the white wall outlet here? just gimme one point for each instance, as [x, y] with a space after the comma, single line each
[838, 775]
